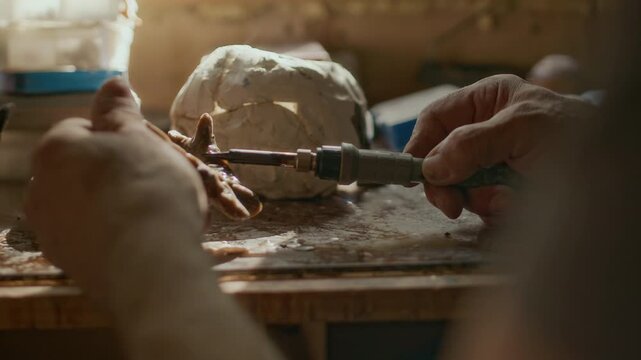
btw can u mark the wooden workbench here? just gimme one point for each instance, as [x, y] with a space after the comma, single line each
[381, 254]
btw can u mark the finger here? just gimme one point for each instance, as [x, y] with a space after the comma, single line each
[490, 201]
[114, 107]
[57, 139]
[204, 134]
[179, 139]
[71, 128]
[50, 156]
[156, 131]
[173, 139]
[472, 104]
[502, 201]
[449, 200]
[202, 140]
[507, 137]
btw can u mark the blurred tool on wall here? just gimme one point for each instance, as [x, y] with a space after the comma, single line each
[54, 54]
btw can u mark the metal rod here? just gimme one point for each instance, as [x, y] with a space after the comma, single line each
[254, 157]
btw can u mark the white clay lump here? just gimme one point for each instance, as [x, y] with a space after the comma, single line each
[267, 101]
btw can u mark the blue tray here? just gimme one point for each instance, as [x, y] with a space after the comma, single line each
[40, 83]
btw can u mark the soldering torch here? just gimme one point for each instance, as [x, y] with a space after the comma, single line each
[347, 164]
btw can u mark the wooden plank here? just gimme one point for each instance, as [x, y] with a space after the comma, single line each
[377, 228]
[380, 229]
[44, 307]
[380, 255]
[365, 284]
[401, 298]
[358, 300]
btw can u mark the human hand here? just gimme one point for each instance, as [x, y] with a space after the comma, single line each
[121, 210]
[100, 182]
[499, 119]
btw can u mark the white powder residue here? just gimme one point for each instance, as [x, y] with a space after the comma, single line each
[249, 247]
[19, 255]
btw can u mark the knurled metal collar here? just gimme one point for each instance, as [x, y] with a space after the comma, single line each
[304, 160]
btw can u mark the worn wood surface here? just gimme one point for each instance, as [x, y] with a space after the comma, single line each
[387, 228]
[382, 298]
[380, 229]
[378, 255]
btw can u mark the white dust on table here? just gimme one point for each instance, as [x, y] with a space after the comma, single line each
[379, 222]
[257, 246]
[14, 260]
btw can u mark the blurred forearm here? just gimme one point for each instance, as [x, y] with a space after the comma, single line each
[167, 303]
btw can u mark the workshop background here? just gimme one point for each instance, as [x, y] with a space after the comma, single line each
[393, 47]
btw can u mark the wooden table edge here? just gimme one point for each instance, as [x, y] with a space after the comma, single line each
[290, 301]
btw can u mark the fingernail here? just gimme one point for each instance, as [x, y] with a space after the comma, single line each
[433, 171]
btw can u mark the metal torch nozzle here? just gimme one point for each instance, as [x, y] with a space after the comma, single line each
[302, 160]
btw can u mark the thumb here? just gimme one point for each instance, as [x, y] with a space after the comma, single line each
[114, 107]
[473, 147]
[203, 137]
